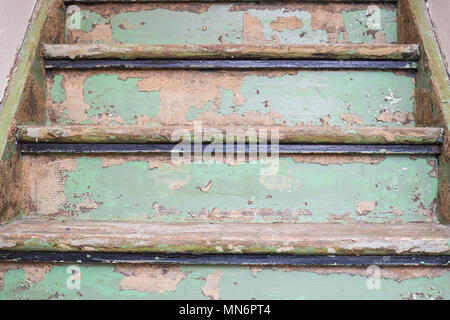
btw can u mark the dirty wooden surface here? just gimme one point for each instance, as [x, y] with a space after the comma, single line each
[330, 238]
[306, 134]
[232, 23]
[128, 281]
[432, 87]
[25, 100]
[231, 97]
[230, 51]
[303, 188]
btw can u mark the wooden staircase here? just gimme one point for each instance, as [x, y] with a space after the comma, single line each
[347, 93]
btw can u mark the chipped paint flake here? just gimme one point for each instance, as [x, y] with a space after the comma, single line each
[149, 278]
[211, 288]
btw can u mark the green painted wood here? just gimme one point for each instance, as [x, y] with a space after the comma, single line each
[248, 23]
[228, 97]
[295, 189]
[95, 281]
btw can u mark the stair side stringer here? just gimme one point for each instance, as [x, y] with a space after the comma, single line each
[432, 87]
[25, 99]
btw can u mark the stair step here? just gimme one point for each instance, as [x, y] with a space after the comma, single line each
[122, 281]
[49, 235]
[232, 51]
[302, 135]
[236, 23]
[261, 97]
[291, 188]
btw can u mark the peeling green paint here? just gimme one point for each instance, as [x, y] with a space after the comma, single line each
[110, 95]
[304, 35]
[396, 188]
[194, 112]
[231, 282]
[58, 92]
[176, 27]
[359, 31]
[304, 97]
[298, 98]
[223, 23]
[88, 20]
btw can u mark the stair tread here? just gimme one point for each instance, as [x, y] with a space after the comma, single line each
[305, 134]
[232, 51]
[357, 238]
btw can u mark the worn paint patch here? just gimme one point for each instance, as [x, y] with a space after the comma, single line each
[236, 282]
[212, 289]
[305, 189]
[216, 23]
[110, 96]
[58, 92]
[219, 98]
[362, 29]
[150, 278]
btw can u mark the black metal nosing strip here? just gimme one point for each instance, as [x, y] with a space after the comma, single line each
[226, 64]
[224, 259]
[248, 149]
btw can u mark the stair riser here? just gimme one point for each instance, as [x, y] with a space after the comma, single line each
[216, 23]
[229, 97]
[127, 281]
[304, 188]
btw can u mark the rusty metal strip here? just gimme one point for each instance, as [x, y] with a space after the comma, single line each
[231, 51]
[229, 64]
[235, 148]
[224, 259]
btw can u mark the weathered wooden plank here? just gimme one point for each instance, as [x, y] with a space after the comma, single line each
[292, 188]
[44, 235]
[25, 99]
[178, 282]
[232, 23]
[229, 64]
[90, 148]
[230, 51]
[162, 1]
[304, 135]
[226, 259]
[220, 98]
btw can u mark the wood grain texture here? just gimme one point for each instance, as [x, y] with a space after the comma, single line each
[309, 134]
[233, 238]
[230, 51]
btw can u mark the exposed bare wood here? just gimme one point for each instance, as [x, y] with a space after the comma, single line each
[229, 51]
[417, 238]
[306, 134]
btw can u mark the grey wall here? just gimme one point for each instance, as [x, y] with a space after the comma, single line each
[14, 17]
[440, 15]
